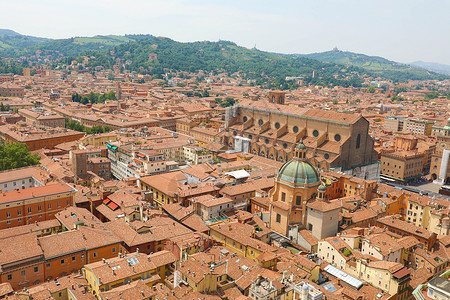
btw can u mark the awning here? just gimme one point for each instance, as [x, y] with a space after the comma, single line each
[140, 155]
[113, 206]
[402, 273]
[137, 160]
[106, 201]
[240, 174]
[387, 178]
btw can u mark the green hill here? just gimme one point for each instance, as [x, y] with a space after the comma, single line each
[375, 64]
[332, 67]
[13, 44]
[223, 56]
[80, 45]
[11, 40]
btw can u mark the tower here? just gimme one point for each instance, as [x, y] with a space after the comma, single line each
[296, 183]
[79, 163]
[322, 216]
[118, 91]
[277, 97]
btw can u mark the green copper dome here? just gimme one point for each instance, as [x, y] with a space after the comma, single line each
[299, 171]
[447, 126]
[322, 188]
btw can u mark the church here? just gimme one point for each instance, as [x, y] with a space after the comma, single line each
[298, 201]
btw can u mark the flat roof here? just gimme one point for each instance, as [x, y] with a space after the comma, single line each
[350, 280]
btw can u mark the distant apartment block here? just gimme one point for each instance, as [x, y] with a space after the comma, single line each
[393, 124]
[418, 126]
[197, 155]
[131, 161]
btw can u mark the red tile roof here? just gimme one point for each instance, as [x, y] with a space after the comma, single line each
[34, 192]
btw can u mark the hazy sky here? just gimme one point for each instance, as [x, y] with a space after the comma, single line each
[399, 30]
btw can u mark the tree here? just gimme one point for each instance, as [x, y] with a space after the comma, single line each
[229, 101]
[371, 90]
[16, 155]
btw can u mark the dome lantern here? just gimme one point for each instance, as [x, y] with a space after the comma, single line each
[300, 150]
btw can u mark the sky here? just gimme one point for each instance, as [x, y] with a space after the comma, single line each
[399, 30]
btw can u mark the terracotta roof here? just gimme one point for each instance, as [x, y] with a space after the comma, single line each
[72, 216]
[21, 173]
[34, 227]
[118, 268]
[394, 222]
[386, 265]
[310, 239]
[76, 240]
[28, 245]
[5, 289]
[324, 205]
[33, 192]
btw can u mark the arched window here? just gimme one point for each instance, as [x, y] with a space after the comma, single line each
[358, 141]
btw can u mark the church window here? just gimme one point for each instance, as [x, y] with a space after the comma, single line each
[315, 133]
